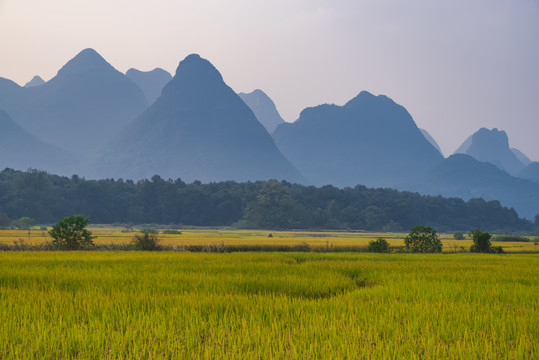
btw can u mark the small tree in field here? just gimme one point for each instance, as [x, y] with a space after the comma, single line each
[70, 233]
[481, 243]
[146, 240]
[423, 239]
[379, 245]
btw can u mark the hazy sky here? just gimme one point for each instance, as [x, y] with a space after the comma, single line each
[455, 65]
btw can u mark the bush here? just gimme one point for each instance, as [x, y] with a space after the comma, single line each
[423, 239]
[458, 235]
[511, 238]
[24, 223]
[379, 245]
[147, 240]
[70, 233]
[481, 243]
[172, 232]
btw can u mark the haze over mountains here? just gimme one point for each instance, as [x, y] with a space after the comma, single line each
[264, 109]
[198, 129]
[80, 109]
[151, 82]
[21, 150]
[92, 120]
[371, 141]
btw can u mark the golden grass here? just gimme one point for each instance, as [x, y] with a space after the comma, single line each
[173, 305]
[108, 235]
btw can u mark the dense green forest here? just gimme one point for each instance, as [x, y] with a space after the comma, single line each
[264, 204]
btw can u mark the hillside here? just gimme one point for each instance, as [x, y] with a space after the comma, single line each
[22, 151]
[264, 109]
[370, 141]
[198, 129]
[80, 109]
[465, 177]
[151, 82]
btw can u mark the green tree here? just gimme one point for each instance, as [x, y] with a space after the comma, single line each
[423, 239]
[458, 235]
[379, 245]
[23, 223]
[481, 241]
[70, 233]
[146, 240]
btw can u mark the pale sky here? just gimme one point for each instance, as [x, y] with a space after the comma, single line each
[455, 65]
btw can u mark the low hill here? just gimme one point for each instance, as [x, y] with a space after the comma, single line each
[20, 150]
[465, 177]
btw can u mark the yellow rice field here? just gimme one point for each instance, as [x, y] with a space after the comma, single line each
[327, 239]
[177, 305]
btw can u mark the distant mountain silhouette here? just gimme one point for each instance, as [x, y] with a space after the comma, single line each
[465, 177]
[81, 108]
[520, 156]
[264, 109]
[36, 81]
[530, 172]
[198, 129]
[20, 150]
[151, 82]
[492, 146]
[370, 141]
[431, 140]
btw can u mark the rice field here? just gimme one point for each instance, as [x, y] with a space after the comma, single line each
[232, 237]
[181, 305]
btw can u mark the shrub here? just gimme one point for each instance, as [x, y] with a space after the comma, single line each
[379, 245]
[24, 223]
[70, 233]
[423, 239]
[510, 238]
[481, 243]
[172, 232]
[458, 235]
[147, 240]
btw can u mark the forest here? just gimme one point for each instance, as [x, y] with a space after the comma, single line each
[262, 205]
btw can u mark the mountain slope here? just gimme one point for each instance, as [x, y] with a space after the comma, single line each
[264, 109]
[81, 108]
[431, 140]
[530, 172]
[521, 157]
[20, 150]
[371, 141]
[151, 82]
[36, 81]
[492, 146]
[198, 129]
[465, 177]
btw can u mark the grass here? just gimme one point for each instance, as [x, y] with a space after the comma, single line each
[242, 239]
[268, 305]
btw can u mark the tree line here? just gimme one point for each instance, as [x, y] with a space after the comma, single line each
[262, 204]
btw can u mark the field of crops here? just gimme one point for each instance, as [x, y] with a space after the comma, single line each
[268, 305]
[228, 237]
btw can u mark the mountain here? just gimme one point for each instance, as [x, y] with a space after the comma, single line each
[151, 82]
[370, 141]
[20, 150]
[463, 176]
[36, 81]
[530, 172]
[431, 140]
[264, 109]
[520, 156]
[81, 108]
[492, 146]
[198, 129]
